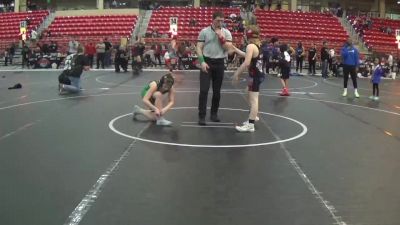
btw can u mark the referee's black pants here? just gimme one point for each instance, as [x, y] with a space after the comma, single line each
[215, 76]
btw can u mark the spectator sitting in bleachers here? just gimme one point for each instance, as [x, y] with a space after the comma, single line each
[34, 35]
[47, 33]
[28, 21]
[279, 5]
[252, 5]
[243, 12]
[253, 20]
[45, 49]
[339, 11]
[369, 23]
[263, 3]
[192, 22]
[37, 51]
[240, 25]
[269, 4]
[114, 4]
[155, 33]
[233, 17]
[53, 47]
[388, 30]
[149, 33]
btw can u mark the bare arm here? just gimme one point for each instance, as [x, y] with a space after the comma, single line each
[228, 45]
[228, 39]
[250, 51]
[199, 52]
[239, 52]
[199, 49]
[171, 102]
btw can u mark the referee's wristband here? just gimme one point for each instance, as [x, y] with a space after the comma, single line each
[201, 59]
[221, 40]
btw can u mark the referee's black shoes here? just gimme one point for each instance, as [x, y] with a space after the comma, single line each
[202, 121]
[214, 118]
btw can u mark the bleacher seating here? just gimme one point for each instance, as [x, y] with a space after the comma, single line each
[160, 20]
[307, 27]
[91, 28]
[10, 22]
[378, 40]
[289, 27]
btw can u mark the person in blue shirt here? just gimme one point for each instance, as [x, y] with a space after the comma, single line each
[266, 52]
[376, 79]
[350, 60]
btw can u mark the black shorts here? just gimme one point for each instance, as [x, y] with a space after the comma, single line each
[254, 82]
[285, 72]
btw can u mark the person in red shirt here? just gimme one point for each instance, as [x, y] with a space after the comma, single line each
[157, 52]
[90, 50]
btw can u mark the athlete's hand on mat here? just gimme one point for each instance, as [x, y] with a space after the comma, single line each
[204, 67]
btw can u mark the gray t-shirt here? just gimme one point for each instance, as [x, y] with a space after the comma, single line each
[73, 47]
[101, 47]
[212, 47]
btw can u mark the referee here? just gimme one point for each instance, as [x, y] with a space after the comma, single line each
[212, 48]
